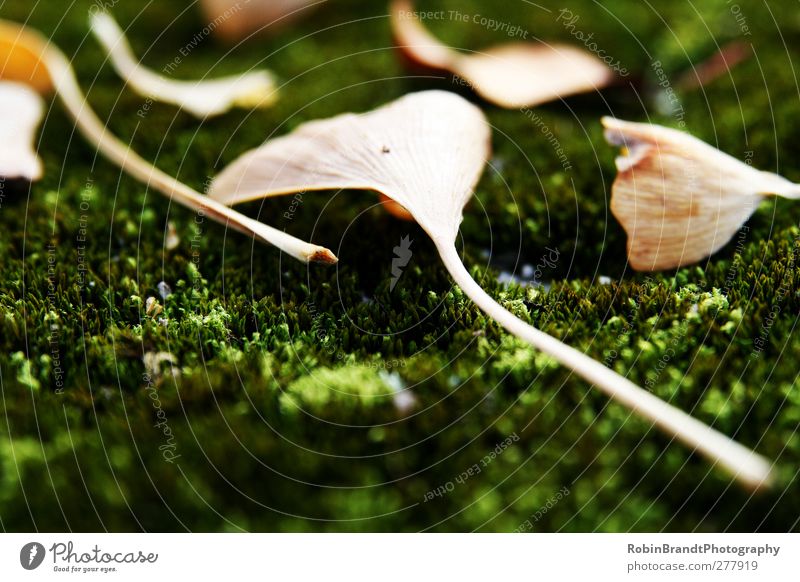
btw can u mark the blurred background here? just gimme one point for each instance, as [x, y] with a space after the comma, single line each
[256, 393]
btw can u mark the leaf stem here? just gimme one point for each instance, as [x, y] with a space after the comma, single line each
[96, 132]
[748, 467]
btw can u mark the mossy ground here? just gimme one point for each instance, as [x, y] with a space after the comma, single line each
[277, 402]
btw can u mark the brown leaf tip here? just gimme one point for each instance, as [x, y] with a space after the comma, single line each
[323, 256]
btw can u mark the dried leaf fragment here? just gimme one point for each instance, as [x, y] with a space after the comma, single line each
[21, 111]
[513, 75]
[202, 99]
[438, 144]
[679, 199]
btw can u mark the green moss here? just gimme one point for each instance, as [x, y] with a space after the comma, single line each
[277, 400]
[341, 389]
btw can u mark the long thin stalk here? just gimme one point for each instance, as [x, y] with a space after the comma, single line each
[747, 466]
[94, 130]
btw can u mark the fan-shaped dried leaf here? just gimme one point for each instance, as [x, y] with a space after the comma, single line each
[233, 20]
[512, 75]
[381, 151]
[28, 56]
[21, 111]
[202, 99]
[679, 199]
[426, 151]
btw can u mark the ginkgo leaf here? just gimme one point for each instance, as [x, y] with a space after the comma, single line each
[203, 98]
[426, 151]
[514, 75]
[679, 199]
[30, 58]
[21, 111]
[381, 151]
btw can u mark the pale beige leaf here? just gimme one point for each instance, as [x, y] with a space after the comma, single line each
[416, 42]
[201, 98]
[21, 111]
[679, 199]
[426, 151]
[513, 75]
[525, 74]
